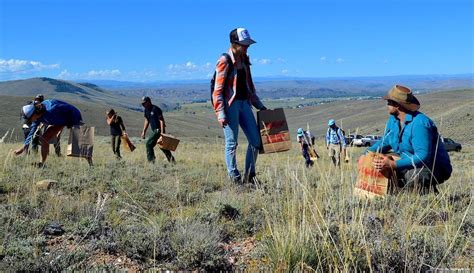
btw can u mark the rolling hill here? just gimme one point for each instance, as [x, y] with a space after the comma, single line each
[451, 110]
[73, 92]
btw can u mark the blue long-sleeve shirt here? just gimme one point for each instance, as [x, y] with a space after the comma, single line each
[56, 113]
[335, 137]
[417, 142]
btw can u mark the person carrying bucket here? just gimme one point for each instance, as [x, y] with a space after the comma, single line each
[306, 141]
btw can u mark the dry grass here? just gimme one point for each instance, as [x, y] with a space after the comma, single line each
[177, 216]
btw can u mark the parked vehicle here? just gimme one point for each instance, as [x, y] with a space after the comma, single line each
[366, 141]
[451, 145]
[351, 137]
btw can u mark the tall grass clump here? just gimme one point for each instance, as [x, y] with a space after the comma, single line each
[322, 226]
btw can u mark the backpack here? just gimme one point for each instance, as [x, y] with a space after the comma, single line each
[213, 80]
[337, 132]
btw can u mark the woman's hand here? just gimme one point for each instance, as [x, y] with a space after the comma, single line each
[223, 122]
[19, 151]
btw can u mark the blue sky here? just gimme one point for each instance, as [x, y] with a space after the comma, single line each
[179, 40]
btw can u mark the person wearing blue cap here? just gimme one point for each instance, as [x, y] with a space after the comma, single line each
[306, 141]
[54, 113]
[335, 142]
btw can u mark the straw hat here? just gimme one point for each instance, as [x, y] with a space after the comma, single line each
[403, 96]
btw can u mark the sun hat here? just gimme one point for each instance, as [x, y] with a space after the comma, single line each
[403, 96]
[331, 122]
[300, 132]
[28, 111]
[241, 36]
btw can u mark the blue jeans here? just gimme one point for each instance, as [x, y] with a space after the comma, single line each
[240, 113]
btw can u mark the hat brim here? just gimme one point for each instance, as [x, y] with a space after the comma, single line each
[410, 106]
[246, 42]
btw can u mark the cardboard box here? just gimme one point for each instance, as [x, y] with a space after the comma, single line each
[274, 131]
[127, 143]
[276, 143]
[168, 142]
[370, 182]
[81, 142]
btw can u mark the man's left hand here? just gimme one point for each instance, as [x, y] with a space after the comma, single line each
[382, 162]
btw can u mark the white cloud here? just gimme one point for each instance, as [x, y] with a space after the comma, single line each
[280, 60]
[340, 60]
[144, 75]
[24, 66]
[285, 72]
[190, 65]
[267, 61]
[64, 74]
[91, 75]
[189, 70]
[262, 61]
[385, 61]
[104, 73]
[323, 59]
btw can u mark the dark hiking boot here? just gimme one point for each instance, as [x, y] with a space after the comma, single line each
[236, 179]
[251, 179]
[39, 165]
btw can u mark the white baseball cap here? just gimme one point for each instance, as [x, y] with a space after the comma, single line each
[241, 36]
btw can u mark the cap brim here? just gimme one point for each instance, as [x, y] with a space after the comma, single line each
[246, 42]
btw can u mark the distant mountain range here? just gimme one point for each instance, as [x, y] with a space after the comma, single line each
[169, 94]
[269, 87]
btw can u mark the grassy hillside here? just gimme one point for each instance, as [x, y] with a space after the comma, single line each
[451, 110]
[131, 215]
[180, 123]
[84, 93]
